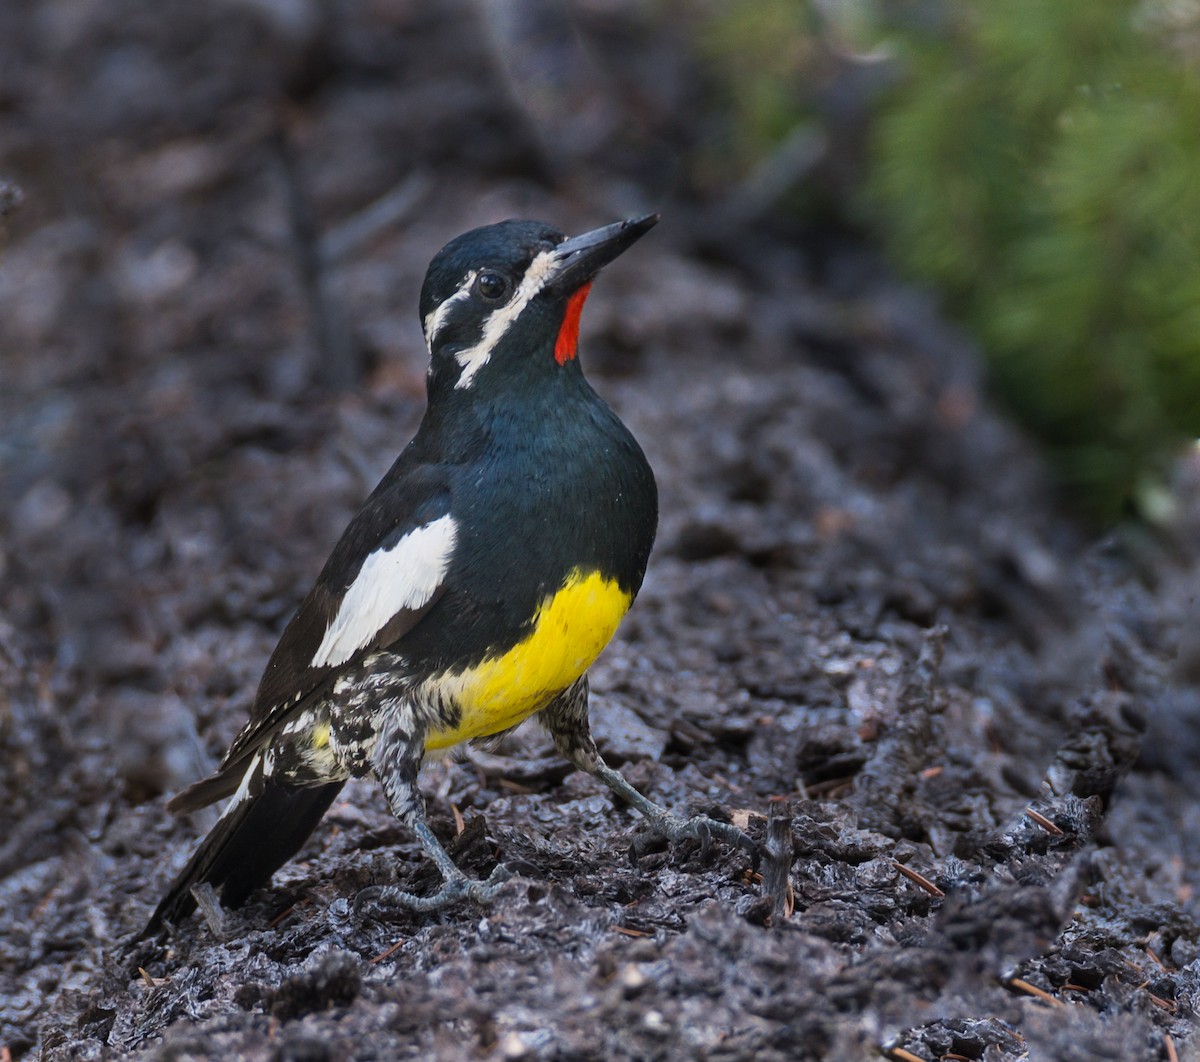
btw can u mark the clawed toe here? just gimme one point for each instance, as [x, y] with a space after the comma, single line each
[485, 891]
[457, 888]
[704, 829]
[669, 825]
[735, 838]
[366, 898]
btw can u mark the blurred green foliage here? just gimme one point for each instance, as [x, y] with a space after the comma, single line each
[767, 57]
[1038, 162]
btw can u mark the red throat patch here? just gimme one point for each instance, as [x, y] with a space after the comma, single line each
[567, 344]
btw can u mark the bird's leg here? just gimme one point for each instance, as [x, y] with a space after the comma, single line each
[566, 720]
[396, 761]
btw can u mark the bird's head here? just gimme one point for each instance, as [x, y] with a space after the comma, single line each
[505, 299]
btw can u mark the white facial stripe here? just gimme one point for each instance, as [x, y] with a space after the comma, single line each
[436, 318]
[541, 269]
[390, 580]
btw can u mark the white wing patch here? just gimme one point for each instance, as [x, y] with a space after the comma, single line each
[405, 576]
[541, 269]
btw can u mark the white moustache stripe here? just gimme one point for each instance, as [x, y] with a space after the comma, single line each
[541, 269]
[389, 581]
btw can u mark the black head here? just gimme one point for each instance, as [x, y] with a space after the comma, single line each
[510, 294]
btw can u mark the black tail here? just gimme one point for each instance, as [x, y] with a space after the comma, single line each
[255, 836]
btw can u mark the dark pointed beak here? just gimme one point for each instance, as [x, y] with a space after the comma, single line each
[580, 258]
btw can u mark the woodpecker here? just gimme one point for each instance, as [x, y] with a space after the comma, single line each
[473, 589]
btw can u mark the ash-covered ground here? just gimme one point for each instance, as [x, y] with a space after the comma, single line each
[868, 633]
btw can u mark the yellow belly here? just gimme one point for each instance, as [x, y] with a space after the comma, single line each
[570, 630]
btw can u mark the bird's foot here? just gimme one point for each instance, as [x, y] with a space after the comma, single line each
[456, 887]
[676, 828]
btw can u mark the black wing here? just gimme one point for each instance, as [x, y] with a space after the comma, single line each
[408, 498]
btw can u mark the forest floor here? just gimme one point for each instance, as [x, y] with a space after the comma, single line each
[868, 629]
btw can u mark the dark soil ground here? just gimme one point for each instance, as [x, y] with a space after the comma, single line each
[867, 630]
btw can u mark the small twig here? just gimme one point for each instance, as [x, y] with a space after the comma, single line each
[387, 953]
[919, 880]
[459, 822]
[514, 787]
[281, 916]
[42, 904]
[210, 907]
[625, 931]
[1170, 1006]
[830, 787]
[1033, 990]
[1169, 1044]
[151, 982]
[900, 1055]
[1044, 822]
[777, 866]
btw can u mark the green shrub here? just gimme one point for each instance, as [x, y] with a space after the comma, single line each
[1040, 164]
[766, 60]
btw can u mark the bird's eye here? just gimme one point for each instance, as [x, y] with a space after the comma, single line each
[492, 286]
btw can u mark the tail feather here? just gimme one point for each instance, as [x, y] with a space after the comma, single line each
[208, 790]
[259, 832]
